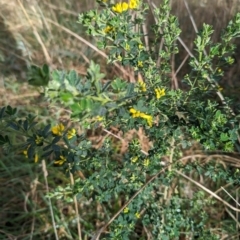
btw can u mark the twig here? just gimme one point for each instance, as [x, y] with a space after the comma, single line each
[238, 204]
[232, 216]
[45, 174]
[76, 210]
[182, 63]
[191, 16]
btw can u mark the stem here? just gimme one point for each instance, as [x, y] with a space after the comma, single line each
[76, 210]
[45, 174]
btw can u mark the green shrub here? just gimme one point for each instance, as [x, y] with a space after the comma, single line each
[141, 194]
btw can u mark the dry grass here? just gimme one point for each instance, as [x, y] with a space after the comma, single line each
[35, 32]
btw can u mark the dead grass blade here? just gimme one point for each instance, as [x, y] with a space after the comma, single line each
[208, 191]
[47, 56]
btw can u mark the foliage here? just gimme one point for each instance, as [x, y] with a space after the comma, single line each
[140, 186]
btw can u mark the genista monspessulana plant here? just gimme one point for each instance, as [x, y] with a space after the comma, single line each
[141, 194]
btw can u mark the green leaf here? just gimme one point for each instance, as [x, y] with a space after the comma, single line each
[11, 111]
[57, 76]
[94, 75]
[56, 148]
[45, 70]
[39, 76]
[30, 152]
[119, 85]
[224, 137]
[32, 125]
[4, 140]
[66, 97]
[47, 147]
[13, 126]
[106, 85]
[56, 139]
[130, 90]
[47, 154]
[46, 130]
[73, 78]
[25, 125]
[2, 112]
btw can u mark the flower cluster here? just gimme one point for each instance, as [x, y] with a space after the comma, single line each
[60, 161]
[142, 85]
[39, 140]
[160, 92]
[133, 4]
[135, 113]
[58, 130]
[140, 64]
[123, 6]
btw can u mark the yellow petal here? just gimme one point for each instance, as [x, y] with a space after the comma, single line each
[71, 133]
[36, 158]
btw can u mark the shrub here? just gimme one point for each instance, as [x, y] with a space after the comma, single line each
[140, 194]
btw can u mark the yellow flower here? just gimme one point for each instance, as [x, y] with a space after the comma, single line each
[134, 159]
[160, 92]
[140, 64]
[127, 47]
[142, 85]
[143, 115]
[119, 58]
[140, 46]
[71, 133]
[61, 160]
[36, 157]
[133, 178]
[126, 210]
[120, 7]
[146, 162]
[133, 4]
[99, 118]
[108, 29]
[25, 153]
[149, 120]
[137, 215]
[136, 114]
[58, 129]
[133, 112]
[39, 140]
